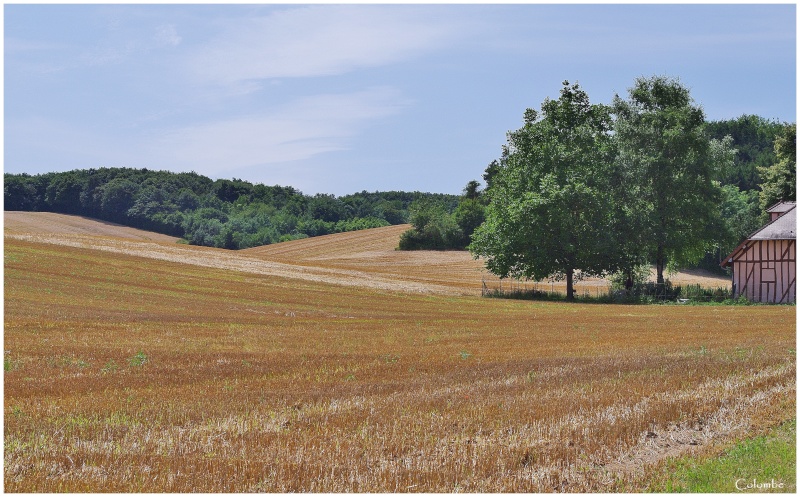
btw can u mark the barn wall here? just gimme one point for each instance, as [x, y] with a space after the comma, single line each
[766, 272]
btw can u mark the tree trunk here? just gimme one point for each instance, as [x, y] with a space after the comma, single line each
[660, 263]
[628, 282]
[570, 291]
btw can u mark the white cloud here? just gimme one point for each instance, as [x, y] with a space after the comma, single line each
[318, 41]
[167, 34]
[300, 130]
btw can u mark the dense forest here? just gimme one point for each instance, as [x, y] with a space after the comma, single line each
[763, 172]
[231, 214]
[236, 214]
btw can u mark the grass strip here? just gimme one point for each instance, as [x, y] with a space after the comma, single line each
[764, 464]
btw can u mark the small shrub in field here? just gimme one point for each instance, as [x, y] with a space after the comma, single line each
[110, 367]
[139, 359]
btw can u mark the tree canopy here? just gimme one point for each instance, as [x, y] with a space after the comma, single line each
[670, 163]
[549, 211]
[780, 178]
[754, 139]
[594, 189]
[436, 226]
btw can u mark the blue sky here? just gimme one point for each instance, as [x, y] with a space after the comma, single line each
[343, 98]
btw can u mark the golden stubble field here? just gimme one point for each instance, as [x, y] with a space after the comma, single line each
[129, 373]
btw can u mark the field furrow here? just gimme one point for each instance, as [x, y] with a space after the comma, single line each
[135, 366]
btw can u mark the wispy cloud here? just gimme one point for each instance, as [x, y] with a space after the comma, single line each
[167, 34]
[301, 129]
[319, 41]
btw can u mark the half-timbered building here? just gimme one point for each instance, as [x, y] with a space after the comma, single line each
[763, 266]
[779, 209]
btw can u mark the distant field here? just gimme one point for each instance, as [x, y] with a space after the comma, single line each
[156, 367]
[375, 251]
[360, 258]
[47, 223]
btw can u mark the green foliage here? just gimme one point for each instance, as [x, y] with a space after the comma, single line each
[109, 367]
[436, 226]
[643, 292]
[668, 160]
[231, 214]
[753, 138]
[8, 364]
[469, 214]
[433, 229]
[550, 203]
[780, 178]
[628, 278]
[574, 190]
[742, 215]
[20, 193]
[138, 359]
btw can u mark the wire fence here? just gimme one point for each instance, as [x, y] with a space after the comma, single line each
[644, 292]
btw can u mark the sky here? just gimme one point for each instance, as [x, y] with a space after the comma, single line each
[337, 99]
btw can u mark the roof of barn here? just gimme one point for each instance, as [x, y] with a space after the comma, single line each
[783, 228]
[782, 206]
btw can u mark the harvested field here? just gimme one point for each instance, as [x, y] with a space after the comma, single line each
[374, 251]
[360, 258]
[133, 372]
[50, 223]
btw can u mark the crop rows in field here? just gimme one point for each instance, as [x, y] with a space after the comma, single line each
[365, 258]
[50, 223]
[132, 373]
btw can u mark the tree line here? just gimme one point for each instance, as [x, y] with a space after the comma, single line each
[232, 214]
[592, 189]
[435, 226]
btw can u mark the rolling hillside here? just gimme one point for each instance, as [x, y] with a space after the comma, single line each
[374, 251]
[359, 258]
[51, 223]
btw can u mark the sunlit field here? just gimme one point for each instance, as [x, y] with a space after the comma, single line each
[133, 374]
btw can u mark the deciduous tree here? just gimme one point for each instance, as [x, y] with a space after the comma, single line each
[550, 203]
[780, 179]
[669, 164]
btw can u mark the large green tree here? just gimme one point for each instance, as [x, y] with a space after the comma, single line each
[550, 203]
[780, 179]
[669, 165]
